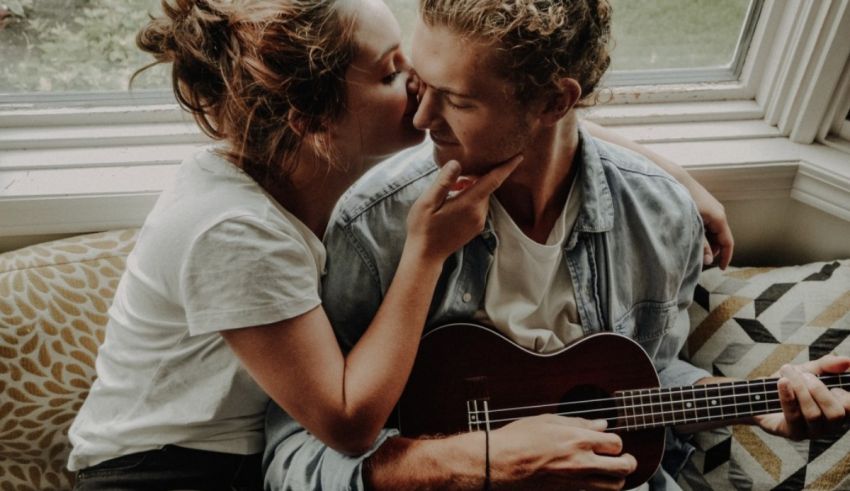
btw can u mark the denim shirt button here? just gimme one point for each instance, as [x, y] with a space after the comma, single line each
[466, 297]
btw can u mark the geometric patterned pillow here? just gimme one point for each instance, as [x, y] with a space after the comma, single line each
[54, 299]
[746, 323]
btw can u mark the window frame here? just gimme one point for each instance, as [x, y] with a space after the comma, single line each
[702, 75]
[74, 165]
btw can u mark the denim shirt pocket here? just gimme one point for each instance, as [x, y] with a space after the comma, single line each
[647, 321]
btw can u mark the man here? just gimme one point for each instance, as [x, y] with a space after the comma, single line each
[583, 237]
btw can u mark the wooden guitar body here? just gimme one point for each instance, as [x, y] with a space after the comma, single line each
[460, 367]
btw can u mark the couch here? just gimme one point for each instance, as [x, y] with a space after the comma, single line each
[746, 322]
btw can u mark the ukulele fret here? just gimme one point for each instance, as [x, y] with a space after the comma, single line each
[690, 405]
[701, 405]
[764, 407]
[654, 404]
[643, 417]
[634, 409]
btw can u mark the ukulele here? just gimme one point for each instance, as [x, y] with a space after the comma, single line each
[468, 377]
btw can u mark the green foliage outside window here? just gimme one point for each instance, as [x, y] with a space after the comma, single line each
[89, 45]
[73, 45]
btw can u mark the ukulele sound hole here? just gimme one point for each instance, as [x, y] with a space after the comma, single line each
[589, 402]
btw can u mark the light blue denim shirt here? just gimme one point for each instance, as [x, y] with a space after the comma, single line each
[634, 256]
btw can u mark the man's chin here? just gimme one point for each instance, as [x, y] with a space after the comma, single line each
[467, 169]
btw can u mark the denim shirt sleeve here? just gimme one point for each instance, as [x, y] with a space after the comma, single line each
[298, 461]
[672, 370]
[294, 459]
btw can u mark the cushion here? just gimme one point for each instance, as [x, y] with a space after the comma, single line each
[746, 323]
[53, 308]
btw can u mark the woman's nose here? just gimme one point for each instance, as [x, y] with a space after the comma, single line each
[414, 85]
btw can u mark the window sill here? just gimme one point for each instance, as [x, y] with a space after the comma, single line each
[70, 171]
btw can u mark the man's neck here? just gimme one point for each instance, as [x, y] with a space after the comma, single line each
[535, 195]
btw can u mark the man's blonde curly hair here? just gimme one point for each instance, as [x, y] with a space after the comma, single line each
[539, 41]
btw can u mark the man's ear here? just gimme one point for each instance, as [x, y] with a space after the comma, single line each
[564, 96]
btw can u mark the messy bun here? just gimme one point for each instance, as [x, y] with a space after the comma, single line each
[261, 75]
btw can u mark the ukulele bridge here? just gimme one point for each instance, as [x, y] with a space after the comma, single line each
[478, 414]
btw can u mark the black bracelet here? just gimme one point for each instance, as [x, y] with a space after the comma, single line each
[487, 483]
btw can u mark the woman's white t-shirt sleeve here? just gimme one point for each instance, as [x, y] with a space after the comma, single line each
[241, 273]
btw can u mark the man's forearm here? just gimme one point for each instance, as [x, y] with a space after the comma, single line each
[406, 464]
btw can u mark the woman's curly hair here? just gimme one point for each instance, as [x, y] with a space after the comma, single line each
[259, 74]
[539, 41]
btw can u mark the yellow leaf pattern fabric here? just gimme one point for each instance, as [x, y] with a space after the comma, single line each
[54, 299]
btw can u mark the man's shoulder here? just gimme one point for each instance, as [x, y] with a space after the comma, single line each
[630, 163]
[629, 170]
[397, 182]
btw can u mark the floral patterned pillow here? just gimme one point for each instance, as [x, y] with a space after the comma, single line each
[54, 299]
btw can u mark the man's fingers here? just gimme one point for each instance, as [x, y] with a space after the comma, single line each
[828, 364]
[810, 413]
[843, 397]
[619, 466]
[607, 444]
[829, 405]
[590, 424]
[791, 409]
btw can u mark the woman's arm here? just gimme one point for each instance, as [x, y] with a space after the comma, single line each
[719, 240]
[345, 401]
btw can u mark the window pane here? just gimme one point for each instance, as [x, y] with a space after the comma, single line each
[51, 46]
[656, 34]
[74, 45]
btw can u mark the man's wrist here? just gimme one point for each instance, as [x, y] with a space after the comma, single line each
[401, 463]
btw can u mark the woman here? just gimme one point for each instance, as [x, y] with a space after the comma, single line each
[219, 308]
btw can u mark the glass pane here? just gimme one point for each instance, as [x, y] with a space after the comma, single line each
[656, 34]
[74, 45]
[88, 45]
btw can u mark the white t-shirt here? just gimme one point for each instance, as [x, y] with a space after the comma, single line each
[529, 295]
[216, 253]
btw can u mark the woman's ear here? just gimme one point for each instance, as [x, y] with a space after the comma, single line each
[561, 101]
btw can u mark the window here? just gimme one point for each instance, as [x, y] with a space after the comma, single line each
[62, 49]
[665, 41]
[54, 48]
[78, 153]
[676, 41]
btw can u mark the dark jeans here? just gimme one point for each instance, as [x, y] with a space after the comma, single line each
[173, 467]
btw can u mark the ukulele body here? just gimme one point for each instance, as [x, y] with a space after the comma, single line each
[459, 367]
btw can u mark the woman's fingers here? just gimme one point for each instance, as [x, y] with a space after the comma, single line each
[490, 182]
[436, 195]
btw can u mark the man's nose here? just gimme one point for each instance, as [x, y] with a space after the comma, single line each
[425, 113]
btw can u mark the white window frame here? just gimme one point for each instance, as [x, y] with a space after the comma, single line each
[75, 166]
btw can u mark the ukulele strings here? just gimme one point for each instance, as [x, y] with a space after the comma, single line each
[828, 381]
